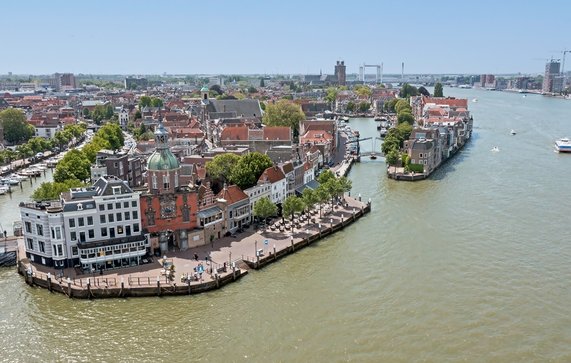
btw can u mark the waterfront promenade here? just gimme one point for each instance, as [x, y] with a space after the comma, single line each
[202, 268]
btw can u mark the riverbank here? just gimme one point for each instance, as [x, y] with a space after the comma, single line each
[199, 269]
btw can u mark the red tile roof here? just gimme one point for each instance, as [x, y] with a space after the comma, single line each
[232, 194]
[273, 174]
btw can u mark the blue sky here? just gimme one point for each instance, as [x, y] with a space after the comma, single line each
[244, 36]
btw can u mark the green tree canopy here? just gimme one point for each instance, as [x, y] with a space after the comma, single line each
[113, 134]
[438, 92]
[246, 172]
[53, 190]
[15, 125]
[363, 90]
[284, 113]
[309, 197]
[403, 117]
[423, 91]
[292, 205]
[325, 176]
[364, 106]
[402, 105]
[156, 102]
[221, 166]
[350, 107]
[392, 157]
[331, 95]
[74, 165]
[264, 208]
[407, 91]
[390, 105]
[144, 101]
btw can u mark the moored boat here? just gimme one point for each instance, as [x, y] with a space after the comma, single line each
[383, 132]
[563, 145]
[3, 189]
[345, 118]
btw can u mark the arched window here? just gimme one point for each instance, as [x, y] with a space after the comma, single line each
[176, 179]
[166, 183]
[154, 181]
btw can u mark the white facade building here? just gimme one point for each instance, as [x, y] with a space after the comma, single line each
[94, 228]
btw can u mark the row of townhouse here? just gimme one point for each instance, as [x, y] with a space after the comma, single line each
[444, 125]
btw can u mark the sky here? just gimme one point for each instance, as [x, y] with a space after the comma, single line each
[285, 37]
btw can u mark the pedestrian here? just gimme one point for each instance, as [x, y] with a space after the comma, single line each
[196, 257]
[206, 259]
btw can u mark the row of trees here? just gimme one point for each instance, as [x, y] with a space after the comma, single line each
[39, 144]
[361, 106]
[99, 113]
[330, 189]
[243, 171]
[74, 169]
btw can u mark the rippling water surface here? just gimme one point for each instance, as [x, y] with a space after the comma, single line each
[473, 264]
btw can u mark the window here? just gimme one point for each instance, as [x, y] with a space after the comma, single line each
[116, 190]
[136, 227]
[101, 207]
[53, 233]
[89, 221]
[74, 251]
[91, 233]
[30, 243]
[80, 221]
[111, 218]
[119, 229]
[135, 214]
[154, 181]
[125, 204]
[103, 232]
[59, 250]
[81, 236]
[42, 246]
[102, 218]
[118, 205]
[127, 216]
[109, 206]
[29, 227]
[134, 204]
[112, 232]
[166, 183]
[73, 236]
[58, 233]
[119, 217]
[39, 229]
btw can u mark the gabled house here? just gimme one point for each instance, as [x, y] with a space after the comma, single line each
[276, 177]
[236, 207]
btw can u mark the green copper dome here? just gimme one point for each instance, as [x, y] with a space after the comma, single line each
[162, 159]
[204, 89]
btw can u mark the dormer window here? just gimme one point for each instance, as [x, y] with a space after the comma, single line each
[116, 190]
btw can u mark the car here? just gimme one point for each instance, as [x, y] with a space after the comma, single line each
[40, 155]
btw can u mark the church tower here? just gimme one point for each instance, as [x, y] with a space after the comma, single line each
[163, 167]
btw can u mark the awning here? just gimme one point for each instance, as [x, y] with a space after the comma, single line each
[314, 184]
[209, 212]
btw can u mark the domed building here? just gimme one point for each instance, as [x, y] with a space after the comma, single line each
[168, 210]
[162, 166]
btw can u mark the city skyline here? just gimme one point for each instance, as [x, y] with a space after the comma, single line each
[293, 38]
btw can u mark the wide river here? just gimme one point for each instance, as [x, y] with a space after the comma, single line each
[473, 264]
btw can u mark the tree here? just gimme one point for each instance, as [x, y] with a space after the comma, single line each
[402, 105]
[252, 89]
[264, 208]
[216, 90]
[113, 134]
[144, 101]
[325, 176]
[137, 115]
[309, 197]
[390, 105]
[53, 190]
[284, 113]
[390, 143]
[292, 205]
[364, 106]
[392, 157]
[24, 151]
[407, 91]
[74, 165]
[438, 92]
[61, 138]
[221, 166]
[246, 172]
[345, 184]
[331, 95]
[86, 113]
[38, 144]
[363, 91]
[333, 188]
[321, 196]
[403, 117]
[350, 106]
[15, 125]
[97, 143]
[156, 102]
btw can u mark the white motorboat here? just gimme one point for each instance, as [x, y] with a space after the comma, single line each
[512, 132]
[495, 149]
[475, 100]
[3, 189]
[563, 145]
[9, 181]
[18, 177]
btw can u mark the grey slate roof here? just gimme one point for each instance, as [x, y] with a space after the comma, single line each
[247, 107]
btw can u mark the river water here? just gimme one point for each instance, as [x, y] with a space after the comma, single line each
[472, 264]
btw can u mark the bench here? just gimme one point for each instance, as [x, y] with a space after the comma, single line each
[260, 252]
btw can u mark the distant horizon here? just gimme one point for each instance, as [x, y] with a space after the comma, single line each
[295, 37]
